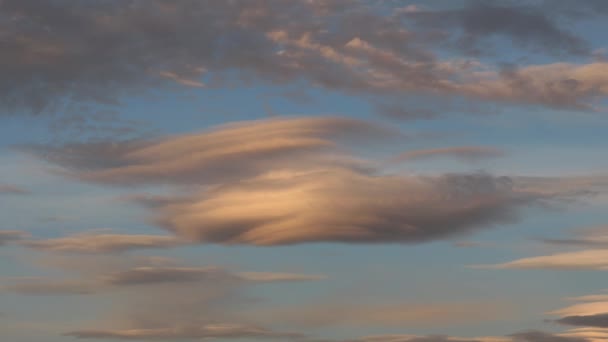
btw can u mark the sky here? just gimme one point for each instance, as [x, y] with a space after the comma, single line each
[303, 171]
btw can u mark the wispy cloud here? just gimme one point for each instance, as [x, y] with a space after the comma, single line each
[591, 313]
[8, 236]
[186, 332]
[579, 260]
[8, 189]
[103, 243]
[225, 153]
[144, 275]
[464, 153]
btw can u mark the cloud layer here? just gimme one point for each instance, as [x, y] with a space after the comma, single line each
[99, 52]
[294, 180]
[338, 205]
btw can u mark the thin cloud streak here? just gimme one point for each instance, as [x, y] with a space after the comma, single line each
[103, 243]
[12, 236]
[463, 153]
[9, 189]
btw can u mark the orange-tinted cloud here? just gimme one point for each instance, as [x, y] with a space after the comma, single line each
[580, 260]
[340, 205]
[225, 153]
[298, 180]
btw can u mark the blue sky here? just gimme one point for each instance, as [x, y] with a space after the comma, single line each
[354, 171]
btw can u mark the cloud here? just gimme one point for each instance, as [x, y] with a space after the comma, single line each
[414, 338]
[591, 298]
[274, 277]
[181, 80]
[583, 309]
[578, 260]
[464, 153]
[45, 287]
[338, 205]
[378, 70]
[538, 336]
[574, 185]
[103, 243]
[155, 275]
[148, 275]
[557, 85]
[524, 336]
[67, 48]
[472, 244]
[186, 332]
[594, 257]
[593, 238]
[8, 189]
[590, 334]
[103, 52]
[598, 321]
[8, 236]
[156, 298]
[299, 180]
[591, 313]
[527, 25]
[224, 153]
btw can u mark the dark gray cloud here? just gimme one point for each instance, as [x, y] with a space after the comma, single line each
[525, 24]
[539, 336]
[437, 338]
[63, 52]
[8, 236]
[156, 275]
[160, 275]
[598, 321]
